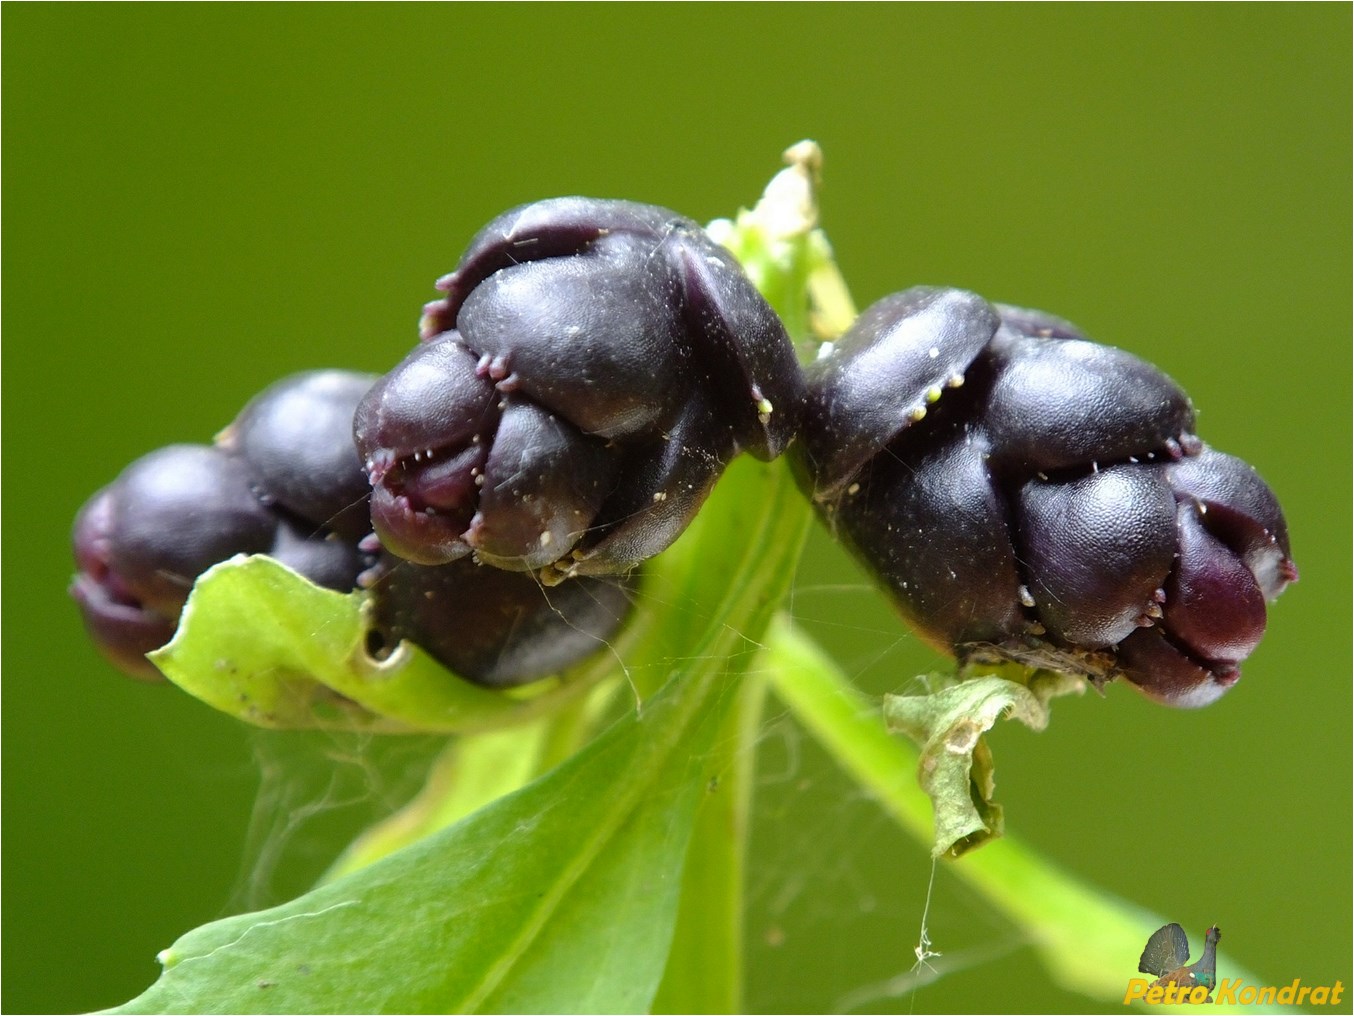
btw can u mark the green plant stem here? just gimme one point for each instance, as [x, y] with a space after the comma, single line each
[705, 965]
[1088, 939]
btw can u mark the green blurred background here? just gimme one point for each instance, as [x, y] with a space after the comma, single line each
[200, 199]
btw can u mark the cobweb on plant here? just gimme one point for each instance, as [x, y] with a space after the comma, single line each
[316, 791]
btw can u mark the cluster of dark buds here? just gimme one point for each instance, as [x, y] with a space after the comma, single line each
[591, 370]
[1025, 493]
[593, 366]
[284, 479]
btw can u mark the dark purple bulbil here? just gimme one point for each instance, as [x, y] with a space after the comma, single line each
[142, 541]
[590, 372]
[1027, 493]
[296, 436]
[498, 628]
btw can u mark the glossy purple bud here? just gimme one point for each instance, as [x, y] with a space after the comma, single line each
[590, 372]
[556, 227]
[296, 438]
[1096, 549]
[528, 506]
[595, 338]
[122, 628]
[423, 433]
[494, 627]
[933, 526]
[884, 375]
[284, 479]
[176, 512]
[1066, 403]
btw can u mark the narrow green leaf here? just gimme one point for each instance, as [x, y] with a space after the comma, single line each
[472, 771]
[1088, 939]
[468, 774]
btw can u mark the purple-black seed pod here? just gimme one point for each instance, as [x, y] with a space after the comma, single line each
[296, 437]
[590, 372]
[1024, 492]
[493, 627]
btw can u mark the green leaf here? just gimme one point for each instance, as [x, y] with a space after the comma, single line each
[560, 897]
[956, 768]
[563, 896]
[468, 774]
[471, 772]
[303, 662]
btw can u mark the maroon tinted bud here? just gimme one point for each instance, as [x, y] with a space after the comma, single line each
[1165, 674]
[1240, 510]
[141, 542]
[296, 437]
[176, 512]
[496, 628]
[1214, 605]
[1024, 492]
[592, 369]
[122, 628]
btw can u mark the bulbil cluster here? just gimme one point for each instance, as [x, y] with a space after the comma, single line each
[593, 366]
[591, 370]
[284, 479]
[1024, 492]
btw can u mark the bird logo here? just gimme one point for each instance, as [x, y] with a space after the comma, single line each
[1167, 952]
